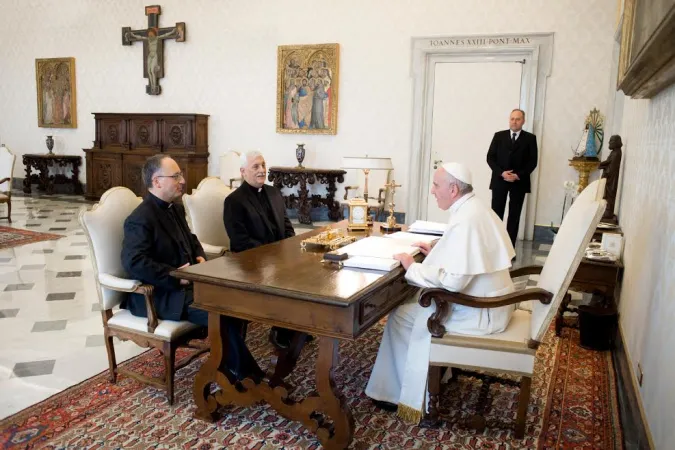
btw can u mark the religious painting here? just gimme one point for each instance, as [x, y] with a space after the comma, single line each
[57, 105]
[647, 58]
[307, 88]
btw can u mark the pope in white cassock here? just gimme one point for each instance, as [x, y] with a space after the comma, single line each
[472, 257]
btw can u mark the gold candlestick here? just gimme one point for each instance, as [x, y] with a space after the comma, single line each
[391, 224]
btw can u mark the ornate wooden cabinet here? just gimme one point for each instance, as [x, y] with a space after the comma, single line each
[125, 141]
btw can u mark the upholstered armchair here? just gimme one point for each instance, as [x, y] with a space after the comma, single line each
[204, 210]
[512, 351]
[7, 159]
[229, 169]
[104, 228]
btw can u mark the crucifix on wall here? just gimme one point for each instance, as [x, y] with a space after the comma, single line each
[153, 47]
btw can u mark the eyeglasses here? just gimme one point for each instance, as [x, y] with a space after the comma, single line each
[175, 176]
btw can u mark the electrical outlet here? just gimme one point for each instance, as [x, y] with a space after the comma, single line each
[640, 374]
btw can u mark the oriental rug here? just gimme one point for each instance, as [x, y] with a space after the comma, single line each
[12, 237]
[573, 405]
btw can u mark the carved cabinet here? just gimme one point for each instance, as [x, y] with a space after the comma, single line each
[124, 142]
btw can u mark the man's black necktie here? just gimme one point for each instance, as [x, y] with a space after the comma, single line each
[513, 139]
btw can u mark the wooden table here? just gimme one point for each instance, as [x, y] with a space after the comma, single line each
[280, 284]
[301, 177]
[42, 163]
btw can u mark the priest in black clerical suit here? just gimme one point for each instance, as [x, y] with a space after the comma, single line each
[254, 215]
[157, 240]
[512, 157]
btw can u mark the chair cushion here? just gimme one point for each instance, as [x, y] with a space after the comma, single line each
[166, 329]
[213, 249]
[513, 339]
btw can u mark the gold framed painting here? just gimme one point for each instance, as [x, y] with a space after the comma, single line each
[307, 88]
[56, 99]
[647, 58]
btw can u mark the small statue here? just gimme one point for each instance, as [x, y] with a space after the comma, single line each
[610, 171]
[590, 144]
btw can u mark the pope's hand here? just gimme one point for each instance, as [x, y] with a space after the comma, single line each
[405, 258]
[424, 247]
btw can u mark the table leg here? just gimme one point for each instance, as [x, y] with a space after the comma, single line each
[27, 180]
[304, 206]
[334, 210]
[77, 186]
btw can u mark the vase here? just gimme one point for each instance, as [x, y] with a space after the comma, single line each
[50, 144]
[300, 154]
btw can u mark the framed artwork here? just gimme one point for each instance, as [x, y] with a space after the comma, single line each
[647, 58]
[307, 88]
[56, 100]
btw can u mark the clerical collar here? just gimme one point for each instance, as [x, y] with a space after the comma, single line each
[254, 189]
[458, 204]
[159, 202]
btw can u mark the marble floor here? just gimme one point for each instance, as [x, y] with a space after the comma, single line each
[51, 334]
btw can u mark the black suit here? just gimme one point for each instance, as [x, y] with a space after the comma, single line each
[157, 240]
[247, 221]
[255, 217]
[521, 158]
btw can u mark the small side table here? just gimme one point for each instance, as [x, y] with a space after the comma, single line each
[46, 182]
[301, 176]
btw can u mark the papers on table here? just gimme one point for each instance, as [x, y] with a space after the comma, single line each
[424, 227]
[376, 253]
[411, 238]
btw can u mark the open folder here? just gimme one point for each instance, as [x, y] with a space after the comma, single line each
[425, 227]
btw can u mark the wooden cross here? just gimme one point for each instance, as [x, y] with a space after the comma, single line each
[153, 48]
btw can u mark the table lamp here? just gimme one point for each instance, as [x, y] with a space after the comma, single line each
[366, 164]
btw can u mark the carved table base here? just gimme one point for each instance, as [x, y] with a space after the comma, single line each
[301, 177]
[325, 414]
[46, 182]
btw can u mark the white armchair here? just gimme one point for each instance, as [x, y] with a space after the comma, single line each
[204, 209]
[104, 228]
[7, 159]
[512, 351]
[229, 169]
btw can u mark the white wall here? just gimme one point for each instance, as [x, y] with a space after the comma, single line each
[227, 68]
[647, 304]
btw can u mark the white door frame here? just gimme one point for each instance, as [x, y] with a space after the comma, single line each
[536, 49]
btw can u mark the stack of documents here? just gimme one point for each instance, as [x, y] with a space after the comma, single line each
[376, 253]
[424, 227]
[412, 238]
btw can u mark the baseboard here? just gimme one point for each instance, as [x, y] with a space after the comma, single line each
[633, 420]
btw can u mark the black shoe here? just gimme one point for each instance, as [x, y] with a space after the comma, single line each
[513, 259]
[280, 338]
[387, 406]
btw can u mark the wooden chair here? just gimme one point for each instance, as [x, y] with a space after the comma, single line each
[512, 351]
[204, 210]
[104, 228]
[7, 159]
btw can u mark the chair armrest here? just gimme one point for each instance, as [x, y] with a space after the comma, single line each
[444, 298]
[127, 285]
[4, 180]
[214, 249]
[347, 188]
[527, 270]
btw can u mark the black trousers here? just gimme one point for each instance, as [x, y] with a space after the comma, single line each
[516, 200]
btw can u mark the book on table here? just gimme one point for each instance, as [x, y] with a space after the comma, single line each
[425, 227]
[376, 253]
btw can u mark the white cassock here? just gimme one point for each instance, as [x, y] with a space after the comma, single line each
[472, 257]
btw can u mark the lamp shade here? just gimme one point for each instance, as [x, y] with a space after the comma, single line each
[365, 162]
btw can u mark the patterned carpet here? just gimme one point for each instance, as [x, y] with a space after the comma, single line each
[11, 237]
[573, 405]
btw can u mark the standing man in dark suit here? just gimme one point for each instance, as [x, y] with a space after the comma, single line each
[512, 157]
[157, 240]
[254, 215]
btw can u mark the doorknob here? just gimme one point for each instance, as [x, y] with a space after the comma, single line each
[436, 163]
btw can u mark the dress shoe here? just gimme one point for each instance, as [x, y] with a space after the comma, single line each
[387, 406]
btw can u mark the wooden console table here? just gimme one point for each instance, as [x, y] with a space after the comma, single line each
[302, 176]
[46, 182]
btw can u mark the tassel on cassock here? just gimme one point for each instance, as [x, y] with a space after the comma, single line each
[409, 414]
